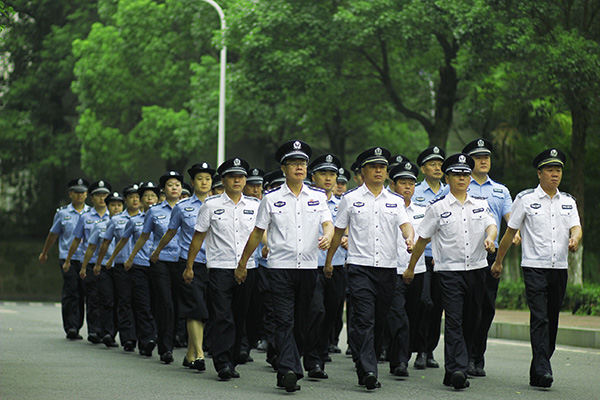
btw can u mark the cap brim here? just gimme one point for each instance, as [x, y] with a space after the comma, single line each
[101, 190]
[234, 170]
[254, 180]
[551, 162]
[325, 167]
[480, 152]
[432, 157]
[374, 160]
[459, 169]
[404, 175]
[78, 188]
[295, 154]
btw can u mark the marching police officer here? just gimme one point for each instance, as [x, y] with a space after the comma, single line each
[372, 215]
[63, 225]
[550, 228]
[291, 214]
[455, 225]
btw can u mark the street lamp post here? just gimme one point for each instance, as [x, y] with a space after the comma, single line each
[221, 140]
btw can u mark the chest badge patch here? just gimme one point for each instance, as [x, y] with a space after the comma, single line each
[313, 203]
[358, 204]
[279, 203]
[535, 206]
[446, 214]
[219, 211]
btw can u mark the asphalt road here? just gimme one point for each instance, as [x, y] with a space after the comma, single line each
[37, 362]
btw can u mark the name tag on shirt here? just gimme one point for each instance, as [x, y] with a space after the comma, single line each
[189, 209]
[419, 216]
[391, 205]
[477, 210]
[567, 207]
[122, 222]
[161, 216]
[248, 211]
[89, 221]
[139, 223]
[313, 202]
[498, 190]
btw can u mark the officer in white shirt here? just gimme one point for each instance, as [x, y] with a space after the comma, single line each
[372, 215]
[292, 215]
[455, 225]
[550, 228]
[226, 221]
[407, 318]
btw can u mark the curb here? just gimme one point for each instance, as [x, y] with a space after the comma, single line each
[578, 337]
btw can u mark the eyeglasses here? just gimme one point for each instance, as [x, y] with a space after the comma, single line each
[297, 164]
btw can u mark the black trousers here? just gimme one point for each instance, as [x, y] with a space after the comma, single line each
[106, 301]
[462, 296]
[339, 318]
[292, 292]
[92, 306]
[124, 297]
[324, 311]
[164, 277]
[229, 308]
[488, 310]
[432, 296]
[545, 290]
[142, 304]
[73, 297]
[264, 287]
[417, 315]
[371, 293]
[254, 320]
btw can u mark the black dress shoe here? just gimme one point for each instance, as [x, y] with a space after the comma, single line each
[224, 374]
[334, 349]
[109, 341]
[129, 346]
[544, 381]
[317, 373]
[263, 345]
[73, 335]
[198, 364]
[289, 381]
[94, 338]
[186, 363]
[148, 347]
[243, 357]
[370, 381]
[471, 369]
[431, 363]
[167, 357]
[400, 370]
[348, 351]
[479, 371]
[420, 361]
[235, 374]
[459, 380]
[383, 357]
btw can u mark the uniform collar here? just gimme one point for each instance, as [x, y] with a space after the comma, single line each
[540, 192]
[488, 181]
[455, 200]
[287, 191]
[366, 192]
[427, 187]
[226, 199]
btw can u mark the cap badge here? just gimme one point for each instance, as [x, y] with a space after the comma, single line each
[462, 159]
[378, 151]
[80, 181]
[254, 172]
[204, 165]
[480, 143]
[436, 150]
[136, 187]
[297, 145]
[101, 184]
[407, 166]
[329, 158]
[115, 194]
[172, 173]
[342, 171]
[553, 153]
[398, 159]
[237, 162]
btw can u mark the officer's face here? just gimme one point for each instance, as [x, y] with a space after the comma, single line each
[374, 173]
[458, 181]
[358, 178]
[482, 164]
[98, 200]
[550, 177]
[115, 207]
[234, 183]
[295, 169]
[340, 188]
[202, 182]
[132, 201]
[405, 187]
[432, 169]
[77, 198]
[325, 179]
[172, 189]
[149, 198]
[218, 190]
[253, 190]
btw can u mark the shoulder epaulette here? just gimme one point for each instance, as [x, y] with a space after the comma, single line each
[252, 198]
[412, 203]
[525, 192]
[396, 194]
[478, 197]
[350, 191]
[437, 199]
[273, 190]
[316, 189]
[153, 205]
[568, 195]
[419, 183]
[62, 208]
[216, 196]
[183, 200]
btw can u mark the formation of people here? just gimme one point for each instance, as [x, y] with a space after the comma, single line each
[239, 258]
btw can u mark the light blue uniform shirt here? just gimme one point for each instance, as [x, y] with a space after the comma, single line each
[423, 195]
[157, 223]
[96, 238]
[339, 258]
[184, 217]
[64, 223]
[84, 228]
[134, 228]
[497, 196]
[114, 230]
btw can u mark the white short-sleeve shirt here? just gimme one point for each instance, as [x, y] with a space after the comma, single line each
[457, 232]
[227, 226]
[416, 213]
[545, 225]
[373, 224]
[292, 225]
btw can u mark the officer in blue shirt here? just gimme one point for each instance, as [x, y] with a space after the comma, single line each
[163, 271]
[98, 191]
[63, 225]
[329, 293]
[139, 272]
[430, 162]
[192, 299]
[123, 284]
[105, 281]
